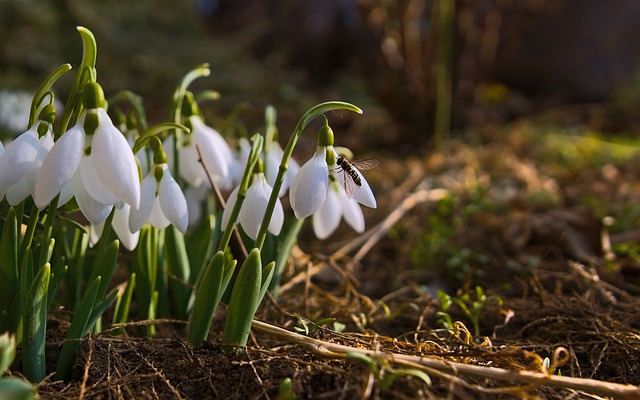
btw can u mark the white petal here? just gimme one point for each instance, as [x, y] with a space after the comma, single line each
[18, 192]
[363, 194]
[173, 202]
[190, 168]
[92, 209]
[66, 193]
[114, 161]
[95, 232]
[157, 217]
[327, 219]
[60, 165]
[139, 217]
[216, 153]
[254, 207]
[351, 212]
[92, 183]
[45, 143]
[195, 196]
[309, 189]
[226, 214]
[120, 226]
[18, 157]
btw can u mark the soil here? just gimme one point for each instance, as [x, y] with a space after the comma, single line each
[499, 211]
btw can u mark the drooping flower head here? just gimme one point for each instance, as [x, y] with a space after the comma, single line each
[162, 200]
[20, 164]
[310, 193]
[254, 207]
[109, 172]
[216, 156]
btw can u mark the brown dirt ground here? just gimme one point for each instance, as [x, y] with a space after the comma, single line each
[545, 259]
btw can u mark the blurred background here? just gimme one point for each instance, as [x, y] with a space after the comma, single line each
[422, 70]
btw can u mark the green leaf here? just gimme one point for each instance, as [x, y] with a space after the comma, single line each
[121, 313]
[245, 298]
[199, 244]
[35, 325]
[9, 264]
[77, 330]
[16, 389]
[207, 297]
[177, 264]
[104, 265]
[99, 309]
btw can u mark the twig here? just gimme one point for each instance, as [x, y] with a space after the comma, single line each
[334, 350]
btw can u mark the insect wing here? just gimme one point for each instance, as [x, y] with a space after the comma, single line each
[364, 165]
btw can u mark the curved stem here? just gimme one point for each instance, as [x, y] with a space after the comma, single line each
[154, 130]
[45, 90]
[136, 103]
[306, 118]
[175, 111]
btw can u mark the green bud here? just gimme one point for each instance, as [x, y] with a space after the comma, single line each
[325, 135]
[48, 114]
[93, 96]
[159, 157]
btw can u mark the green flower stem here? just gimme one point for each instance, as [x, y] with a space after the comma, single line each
[254, 155]
[86, 73]
[306, 118]
[135, 101]
[45, 90]
[176, 108]
[153, 131]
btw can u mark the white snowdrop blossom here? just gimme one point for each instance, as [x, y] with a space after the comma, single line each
[254, 207]
[20, 163]
[162, 203]
[310, 194]
[107, 175]
[337, 205]
[308, 191]
[216, 155]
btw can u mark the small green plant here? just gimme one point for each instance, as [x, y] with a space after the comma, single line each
[385, 373]
[307, 327]
[472, 308]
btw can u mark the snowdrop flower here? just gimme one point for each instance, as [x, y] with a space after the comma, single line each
[162, 202]
[107, 175]
[337, 205]
[23, 157]
[216, 155]
[310, 191]
[309, 188]
[254, 207]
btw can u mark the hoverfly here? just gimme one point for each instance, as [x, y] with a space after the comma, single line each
[350, 172]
